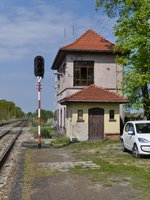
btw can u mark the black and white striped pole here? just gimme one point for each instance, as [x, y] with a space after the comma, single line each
[39, 73]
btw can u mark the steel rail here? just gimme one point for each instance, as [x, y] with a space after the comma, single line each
[3, 124]
[10, 146]
[10, 122]
[6, 132]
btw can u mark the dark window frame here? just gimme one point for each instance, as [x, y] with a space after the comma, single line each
[80, 116]
[83, 73]
[112, 116]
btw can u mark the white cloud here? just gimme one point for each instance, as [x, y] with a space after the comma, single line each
[25, 29]
[36, 27]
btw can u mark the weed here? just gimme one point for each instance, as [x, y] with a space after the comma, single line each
[61, 141]
[115, 167]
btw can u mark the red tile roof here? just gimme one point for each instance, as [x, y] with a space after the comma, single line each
[90, 40]
[94, 93]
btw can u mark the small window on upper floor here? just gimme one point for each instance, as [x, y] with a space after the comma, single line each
[64, 68]
[58, 77]
[112, 115]
[83, 73]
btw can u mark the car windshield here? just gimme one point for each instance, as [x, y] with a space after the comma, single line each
[143, 128]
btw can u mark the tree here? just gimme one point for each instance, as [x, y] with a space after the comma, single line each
[29, 114]
[132, 32]
[9, 110]
[45, 115]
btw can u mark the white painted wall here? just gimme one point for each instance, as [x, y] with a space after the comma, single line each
[79, 130]
[106, 74]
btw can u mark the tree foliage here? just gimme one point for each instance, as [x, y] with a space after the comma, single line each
[132, 32]
[45, 115]
[9, 110]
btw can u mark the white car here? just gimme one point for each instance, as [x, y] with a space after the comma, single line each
[136, 137]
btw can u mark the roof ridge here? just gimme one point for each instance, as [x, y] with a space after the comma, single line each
[119, 95]
[101, 36]
[76, 39]
[83, 35]
[107, 90]
[89, 41]
[78, 91]
[95, 86]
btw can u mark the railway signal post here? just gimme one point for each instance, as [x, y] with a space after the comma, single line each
[39, 73]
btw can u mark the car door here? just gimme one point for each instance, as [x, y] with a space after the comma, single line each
[128, 138]
[131, 137]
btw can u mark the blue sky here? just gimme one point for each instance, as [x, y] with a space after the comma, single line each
[37, 27]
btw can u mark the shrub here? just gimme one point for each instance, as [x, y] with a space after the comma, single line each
[46, 132]
[61, 141]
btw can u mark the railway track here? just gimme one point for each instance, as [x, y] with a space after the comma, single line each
[2, 124]
[5, 129]
[9, 122]
[8, 138]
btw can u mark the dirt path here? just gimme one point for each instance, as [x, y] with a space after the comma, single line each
[65, 185]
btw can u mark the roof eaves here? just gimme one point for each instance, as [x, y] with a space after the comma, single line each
[88, 50]
[65, 101]
[59, 57]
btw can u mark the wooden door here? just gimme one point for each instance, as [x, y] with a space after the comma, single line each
[96, 123]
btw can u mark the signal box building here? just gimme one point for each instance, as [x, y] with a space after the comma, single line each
[88, 89]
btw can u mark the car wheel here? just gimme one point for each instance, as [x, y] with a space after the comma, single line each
[135, 151]
[123, 147]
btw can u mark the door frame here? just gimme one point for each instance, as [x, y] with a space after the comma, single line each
[101, 114]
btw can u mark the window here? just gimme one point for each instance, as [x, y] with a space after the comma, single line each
[60, 117]
[129, 127]
[112, 115]
[80, 116]
[143, 128]
[58, 77]
[64, 117]
[83, 73]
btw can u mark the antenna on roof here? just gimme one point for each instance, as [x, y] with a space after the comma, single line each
[73, 31]
[65, 35]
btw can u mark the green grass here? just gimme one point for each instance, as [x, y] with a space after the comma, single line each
[88, 144]
[115, 167]
[61, 141]
[46, 131]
